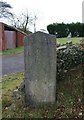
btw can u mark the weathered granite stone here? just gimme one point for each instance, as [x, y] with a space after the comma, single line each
[40, 68]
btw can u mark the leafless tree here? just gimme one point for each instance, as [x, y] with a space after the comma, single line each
[22, 21]
[5, 10]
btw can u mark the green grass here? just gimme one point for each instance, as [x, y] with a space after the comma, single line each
[12, 80]
[64, 40]
[21, 49]
[69, 96]
[12, 51]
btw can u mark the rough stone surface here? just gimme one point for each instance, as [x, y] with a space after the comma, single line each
[40, 68]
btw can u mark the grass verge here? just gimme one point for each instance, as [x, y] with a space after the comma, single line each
[68, 105]
[12, 51]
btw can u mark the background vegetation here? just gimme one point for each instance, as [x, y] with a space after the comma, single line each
[63, 30]
[68, 58]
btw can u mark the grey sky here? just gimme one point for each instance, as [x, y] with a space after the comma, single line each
[50, 11]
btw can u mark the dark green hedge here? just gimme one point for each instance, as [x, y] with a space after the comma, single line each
[63, 30]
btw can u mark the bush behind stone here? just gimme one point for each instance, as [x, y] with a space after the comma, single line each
[69, 58]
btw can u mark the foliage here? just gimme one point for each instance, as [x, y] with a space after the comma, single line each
[4, 10]
[76, 29]
[63, 30]
[68, 58]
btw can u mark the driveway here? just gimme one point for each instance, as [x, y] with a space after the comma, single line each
[12, 63]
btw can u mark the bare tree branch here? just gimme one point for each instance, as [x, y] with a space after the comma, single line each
[22, 21]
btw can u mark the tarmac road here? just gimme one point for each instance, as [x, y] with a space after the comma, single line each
[12, 63]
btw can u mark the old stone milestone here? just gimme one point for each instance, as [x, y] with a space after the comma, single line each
[40, 68]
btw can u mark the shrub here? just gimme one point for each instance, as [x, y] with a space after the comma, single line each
[68, 58]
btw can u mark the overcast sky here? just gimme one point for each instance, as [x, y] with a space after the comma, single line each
[49, 11]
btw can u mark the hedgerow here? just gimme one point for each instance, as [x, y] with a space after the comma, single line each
[68, 58]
